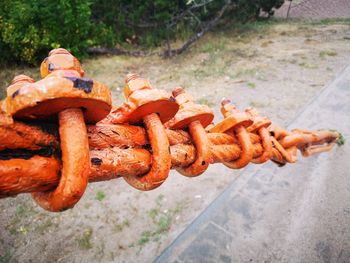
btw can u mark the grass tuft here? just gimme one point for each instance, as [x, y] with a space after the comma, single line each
[327, 53]
[205, 101]
[119, 227]
[84, 241]
[251, 85]
[214, 46]
[5, 258]
[100, 195]
[341, 140]
[162, 220]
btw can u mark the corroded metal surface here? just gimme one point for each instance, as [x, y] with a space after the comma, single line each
[151, 133]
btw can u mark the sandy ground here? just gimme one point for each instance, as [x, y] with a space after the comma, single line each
[276, 68]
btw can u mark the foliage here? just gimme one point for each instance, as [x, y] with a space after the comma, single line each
[84, 241]
[151, 22]
[4, 258]
[268, 5]
[138, 22]
[30, 28]
[341, 141]
[100, 195]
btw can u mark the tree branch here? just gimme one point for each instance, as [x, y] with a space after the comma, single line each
[170, 52]
[211, 24]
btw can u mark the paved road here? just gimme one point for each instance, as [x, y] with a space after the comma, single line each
[298, 213]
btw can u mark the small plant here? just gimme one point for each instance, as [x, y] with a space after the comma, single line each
[205, 101]
[153, 213]
[341, 140]
[145, 237]
[16, 225]
[164, 223]
[308, 65]
[161, 219]
[84, 241]
[247, 72]
[327, 53]
[214, 46]
[20, 210]
[251, 85]
[100, 195]
[119, 227]
[44, 226]
[331, 21]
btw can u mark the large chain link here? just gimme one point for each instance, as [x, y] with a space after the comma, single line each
[141, 140]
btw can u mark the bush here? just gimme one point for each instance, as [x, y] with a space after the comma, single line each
[138, 22]
[268, 5]
[29, 29]
[151, 22]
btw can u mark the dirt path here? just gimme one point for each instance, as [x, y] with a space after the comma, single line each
[277, 68]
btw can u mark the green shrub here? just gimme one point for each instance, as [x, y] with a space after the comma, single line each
[150, 23]
[138, 22]
[29, 29]
[268, 5]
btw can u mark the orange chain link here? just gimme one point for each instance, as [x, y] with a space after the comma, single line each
[151, 133]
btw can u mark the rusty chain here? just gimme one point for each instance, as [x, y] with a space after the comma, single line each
[46, 148]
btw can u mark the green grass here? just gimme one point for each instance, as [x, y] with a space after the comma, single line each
[119, 227]
[100, 195]
[217, 44]
[205, 101]
[246, 72]
[20, 210]
[145, 238]
[84, 241]
[341, 140]
[5, 258]
[163, 223]
[18, 224]
[41, 228]
[330, 21]
[153, 213]
[308, 65]
[251, 85]
[162, 220]
[327, 53]
[259, 26]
